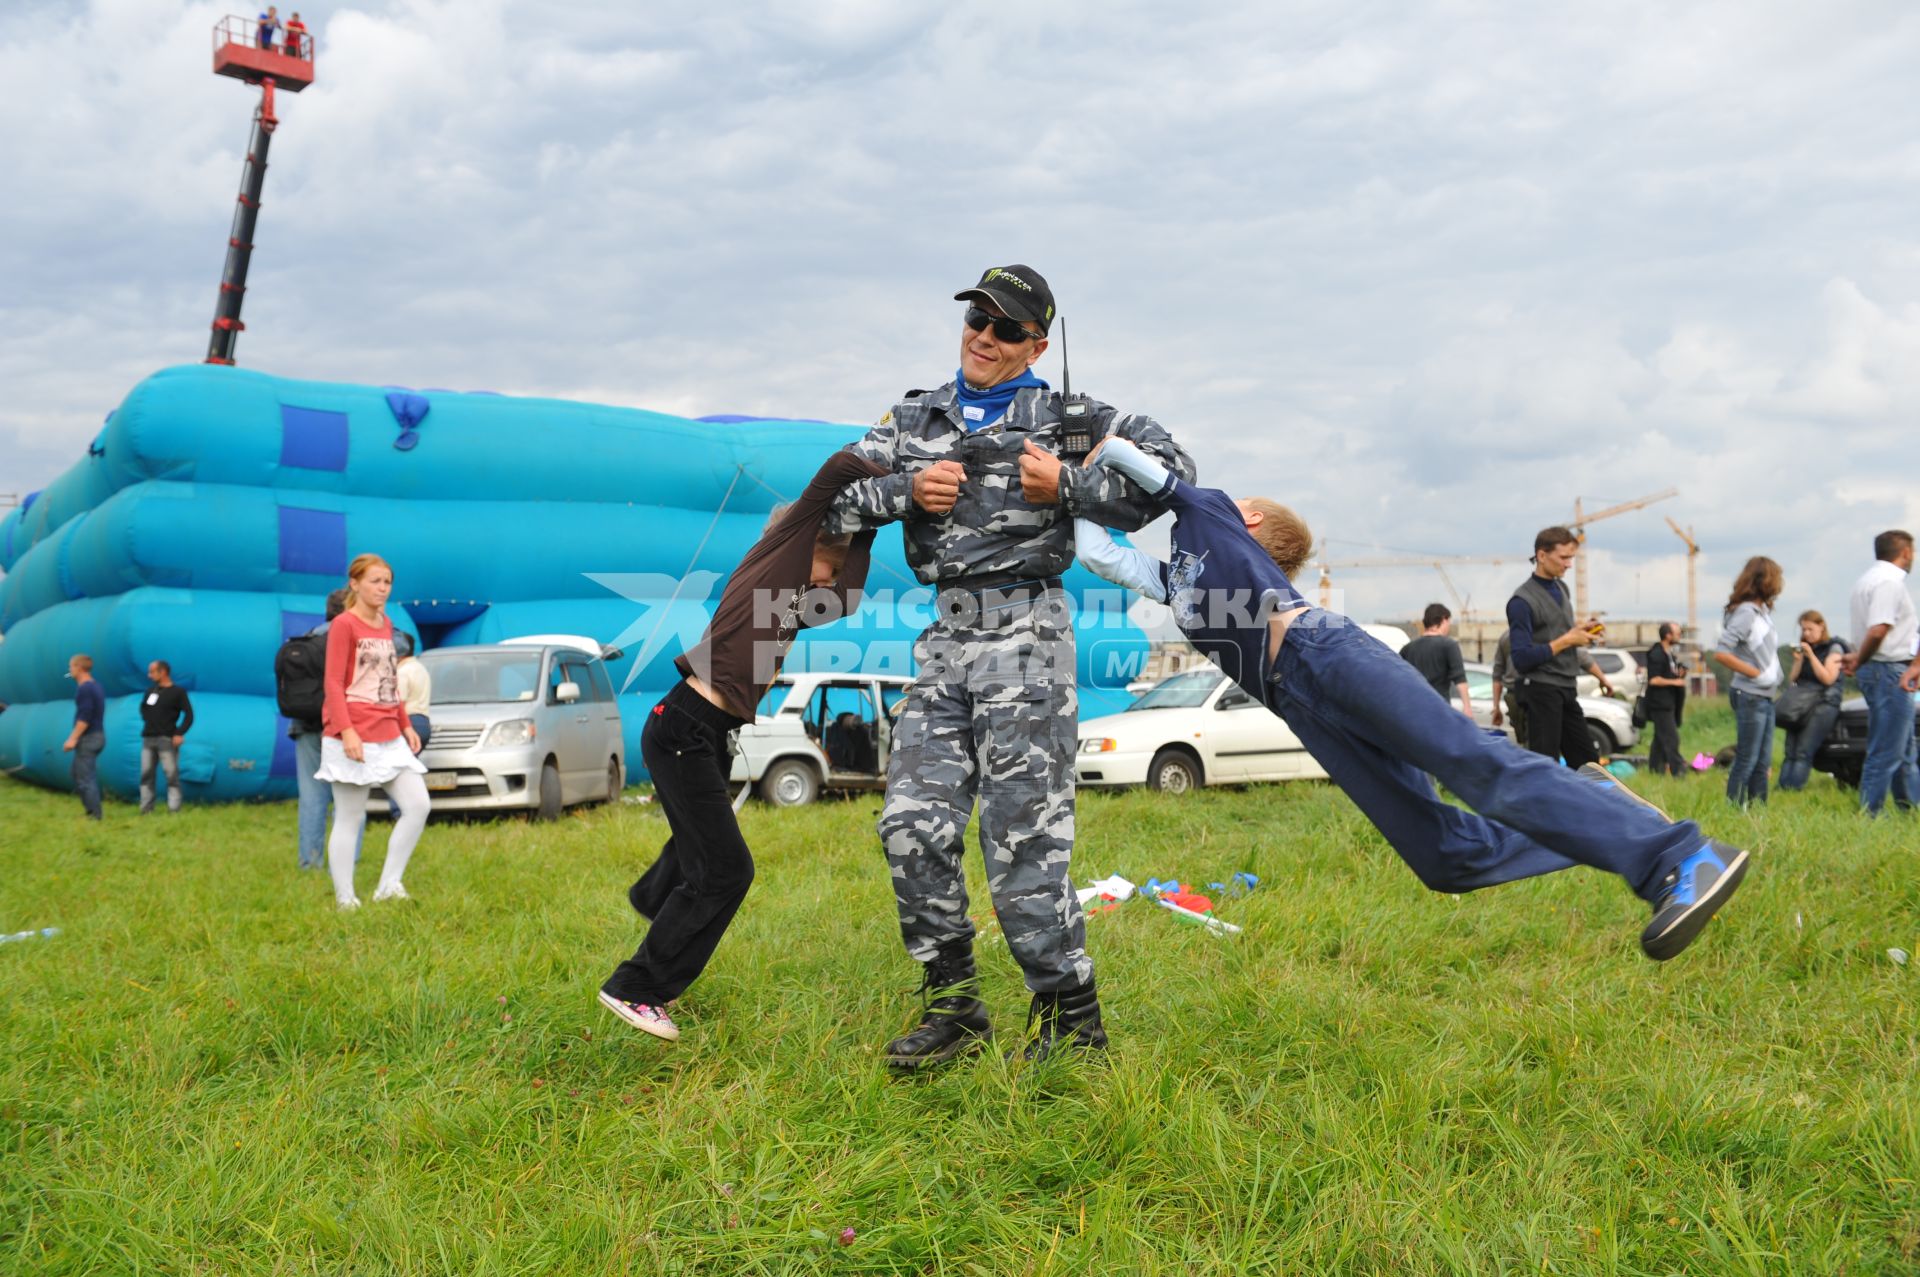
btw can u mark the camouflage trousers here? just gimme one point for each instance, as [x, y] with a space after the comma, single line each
[994, 713]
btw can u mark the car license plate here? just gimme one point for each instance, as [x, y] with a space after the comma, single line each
[442, 780]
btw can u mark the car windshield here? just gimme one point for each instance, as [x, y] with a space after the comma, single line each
[1182, 691]
[482, 678]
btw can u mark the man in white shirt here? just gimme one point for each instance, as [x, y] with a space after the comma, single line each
[1884, 665]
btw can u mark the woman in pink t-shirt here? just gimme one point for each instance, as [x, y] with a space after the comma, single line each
[366, 738]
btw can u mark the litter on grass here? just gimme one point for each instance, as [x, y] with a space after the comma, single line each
[1185, 905]
[1899, 957]
[1207, 920]
[44, 933]
[1114, 888]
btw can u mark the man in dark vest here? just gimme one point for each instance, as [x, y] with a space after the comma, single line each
[1548, 654]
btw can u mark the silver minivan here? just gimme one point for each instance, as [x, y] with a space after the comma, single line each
[529, 724]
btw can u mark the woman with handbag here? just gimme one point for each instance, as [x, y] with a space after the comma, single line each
[1811, 703]
[1748, 647]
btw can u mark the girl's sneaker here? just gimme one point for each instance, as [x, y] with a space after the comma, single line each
[397, 891]
[349, 904]
[643, 1016]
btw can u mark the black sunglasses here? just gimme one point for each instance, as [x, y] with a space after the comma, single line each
[1009, 331]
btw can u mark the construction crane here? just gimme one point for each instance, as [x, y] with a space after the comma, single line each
[1438, 562]
[1693, 594]
[1579, 522]
[243, 49]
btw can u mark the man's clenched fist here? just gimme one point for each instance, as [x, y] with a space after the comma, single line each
[936, 488]
[1039, 475]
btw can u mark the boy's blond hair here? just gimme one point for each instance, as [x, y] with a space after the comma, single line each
[1283, 534]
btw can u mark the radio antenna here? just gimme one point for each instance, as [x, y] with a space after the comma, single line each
[1076, 418]
[1066, 377]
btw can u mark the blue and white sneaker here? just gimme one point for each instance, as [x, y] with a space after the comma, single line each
[1691, 893]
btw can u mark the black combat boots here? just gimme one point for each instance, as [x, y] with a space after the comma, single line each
[955, 1022]
[1067, 1019]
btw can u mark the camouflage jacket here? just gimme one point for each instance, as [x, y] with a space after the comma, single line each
[992, 527]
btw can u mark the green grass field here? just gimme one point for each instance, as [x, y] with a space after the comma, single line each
[211, 1071]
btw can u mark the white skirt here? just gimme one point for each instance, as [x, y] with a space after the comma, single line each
[384, 760]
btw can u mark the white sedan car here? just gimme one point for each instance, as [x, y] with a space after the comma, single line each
[1198, 728]
[1621, 669]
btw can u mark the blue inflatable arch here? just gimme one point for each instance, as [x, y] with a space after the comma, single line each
[218, 506]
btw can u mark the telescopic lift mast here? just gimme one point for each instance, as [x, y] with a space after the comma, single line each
[238, 52]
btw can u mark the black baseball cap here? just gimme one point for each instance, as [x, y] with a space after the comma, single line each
[1019, 291]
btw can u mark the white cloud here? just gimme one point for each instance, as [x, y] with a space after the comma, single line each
[1427, 272]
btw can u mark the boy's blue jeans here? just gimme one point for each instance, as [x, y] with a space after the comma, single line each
[1889, 764]
[1370, 719]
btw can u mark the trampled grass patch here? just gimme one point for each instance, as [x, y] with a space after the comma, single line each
[210, 1071]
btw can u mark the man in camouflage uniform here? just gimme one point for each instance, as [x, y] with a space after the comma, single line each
[988, 510]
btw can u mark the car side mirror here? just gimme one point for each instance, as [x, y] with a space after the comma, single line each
[567, 693]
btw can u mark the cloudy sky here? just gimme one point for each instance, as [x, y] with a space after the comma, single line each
[1427, 271]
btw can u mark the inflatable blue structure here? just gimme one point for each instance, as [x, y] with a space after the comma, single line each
[217, 507]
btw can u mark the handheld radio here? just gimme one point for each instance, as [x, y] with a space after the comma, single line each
[1076, 411]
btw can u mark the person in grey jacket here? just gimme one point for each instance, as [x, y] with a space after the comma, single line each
[987, 509]
[1749, 647]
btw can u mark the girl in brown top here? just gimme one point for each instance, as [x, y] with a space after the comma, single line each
[692, 892]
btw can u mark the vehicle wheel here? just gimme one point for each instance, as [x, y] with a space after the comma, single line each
[616, 781]
[1848, 774]
[1601, 739]
[790, 783]
[1174, 771]
[549, 808]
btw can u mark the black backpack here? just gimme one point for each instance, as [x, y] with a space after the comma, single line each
[299, 677]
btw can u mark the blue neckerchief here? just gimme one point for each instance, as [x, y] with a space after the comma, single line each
[984, 407]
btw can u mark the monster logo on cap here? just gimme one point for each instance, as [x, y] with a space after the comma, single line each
[1020, 292]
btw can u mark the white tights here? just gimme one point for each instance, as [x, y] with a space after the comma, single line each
[408, 793]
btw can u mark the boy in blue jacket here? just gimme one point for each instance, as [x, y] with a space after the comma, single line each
[1382, 735]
